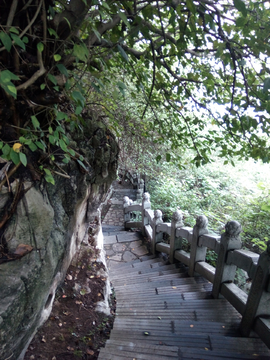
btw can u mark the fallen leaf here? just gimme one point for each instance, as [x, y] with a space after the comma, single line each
[92, 276]
[78, 302]
[70, 348]
[191, 326]
[206, 349]
[69, 277]
[54, 358]
[43, 339]
[60, 324]
[90, 352]
[147, 333]
[22, 249]
[174, 287]
[66, 313]
[159, 318]
[64, 296]
[99, 294]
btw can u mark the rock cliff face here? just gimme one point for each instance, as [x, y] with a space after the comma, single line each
[53, 220]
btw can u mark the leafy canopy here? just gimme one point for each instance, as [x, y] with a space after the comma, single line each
[200, 69]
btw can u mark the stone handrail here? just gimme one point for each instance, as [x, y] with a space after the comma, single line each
[254, 307]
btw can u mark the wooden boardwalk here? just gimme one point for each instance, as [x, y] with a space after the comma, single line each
[162, 313]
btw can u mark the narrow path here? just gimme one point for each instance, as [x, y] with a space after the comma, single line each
[162, 313]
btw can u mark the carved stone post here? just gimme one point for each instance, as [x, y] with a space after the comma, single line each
[175, 242]
[145, 205]
[230, 240]
[157, 237]
[259, 295]
[140, 190]
[197, 253]
[126, 202]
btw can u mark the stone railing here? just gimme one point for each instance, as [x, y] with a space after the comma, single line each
[254, 307]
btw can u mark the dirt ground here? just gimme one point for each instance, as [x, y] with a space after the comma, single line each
[74, 329]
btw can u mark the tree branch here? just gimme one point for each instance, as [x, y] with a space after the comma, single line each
[36, 75]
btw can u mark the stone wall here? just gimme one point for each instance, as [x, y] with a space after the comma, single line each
[53, 220]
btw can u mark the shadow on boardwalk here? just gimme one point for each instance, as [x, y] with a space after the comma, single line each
[162, 313]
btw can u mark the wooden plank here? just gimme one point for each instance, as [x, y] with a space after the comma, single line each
[182, 256]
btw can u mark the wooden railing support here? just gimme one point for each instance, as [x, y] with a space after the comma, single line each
[157, 236]
[258, 303]
[145, 205]
[230, 240]
[175, 242]
[197, 253]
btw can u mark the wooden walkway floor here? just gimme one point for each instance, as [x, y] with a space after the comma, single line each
[162, 313]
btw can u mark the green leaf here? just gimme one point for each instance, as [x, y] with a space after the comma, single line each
[60, 116]
[23, 158]
[25, 39]
[52, 139]
[53, 32]
[18, 41]
[6, 40]
[168, 157]
[158, 158]
[1, 144]
[49, 179]
[35, 122]
[14, 157]
[123, 53]
[11, 89]
[14, 30]
[40, 47]
[82, 164]
[32, 146]
[266, 85]
[6, 150]
[81, 52]
[57, 57]
[77, 96]
[191, 6]
[240, 6]
[48, 172]
[42, 86]
[40, 145]
[124, 18]
[62, 69]
[71, 151]
[52, 78]
[63, 145]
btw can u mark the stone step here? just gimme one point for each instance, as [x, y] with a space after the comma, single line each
[137, 265]
[133, 278]
[165, 269]
[114, 350]
[172, 280]
[164, 300]
[158, 290]
[214, 346]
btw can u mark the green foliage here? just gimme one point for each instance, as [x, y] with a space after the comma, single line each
[222, 193]
[185, 77]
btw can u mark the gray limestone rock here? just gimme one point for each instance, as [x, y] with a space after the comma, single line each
[53, 220]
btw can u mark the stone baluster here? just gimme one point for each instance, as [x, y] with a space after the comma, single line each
[230, 240]
[258, 303]
[197, 253]
[126, 202]
[145, 205]
[140, 190]
[175, 242]
[157, 236]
